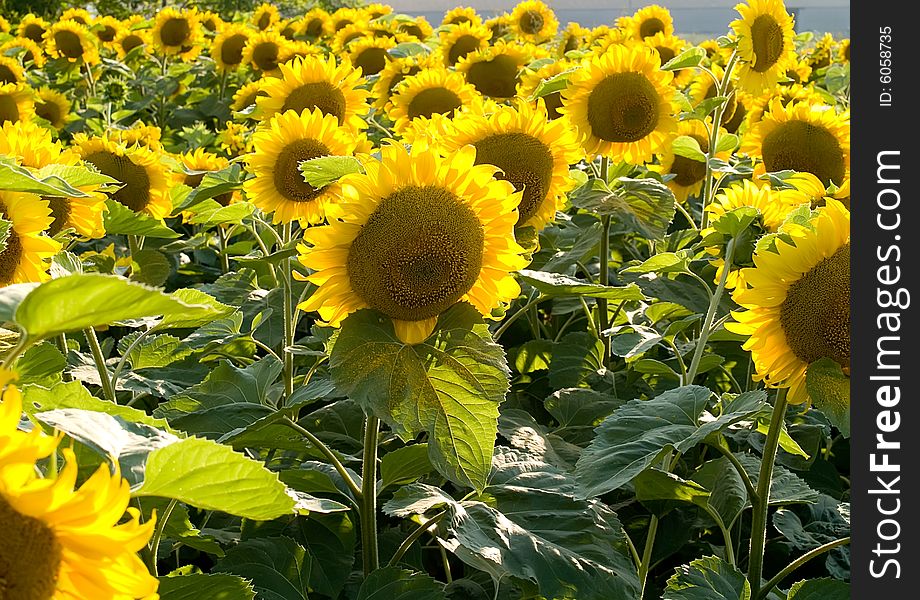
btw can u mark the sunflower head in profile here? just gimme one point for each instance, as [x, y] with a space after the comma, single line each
[433, 91]
[647, 21]
[28, 251]
[16, 102]
[418, 28]
[279, 146]
[10, 70]
[495, 71]
[129, 39]
[227, 46]
[264, 16]
[145, 183]
[198, 163]
[316, 25]
[815, 193]
[574, 37]
[801, 136]
[461, 14]
[265, 51]
[534, 21]
[71, 41]
[416, 234]
[622, 103]
[797, 301]
[370, 54]
[456, 41]
[499, 26]
[247, 94]
[688, 173]
[33, 28]
[177, 33]
[61, 540]
[305, 83]
[530, 151]
[30, 54]
[766, 46]
[234, 139]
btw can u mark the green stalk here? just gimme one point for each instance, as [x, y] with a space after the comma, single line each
[107, 390]
[222, 239]
[288, 318]
[158, 535]
[124, 357]
[791, 567]
[328, 453]
[413, 537]
[647, 554]
[762, 501]
[369, 548]
[22, 344]
[710, 314]
[508, 321]
[603, 322]
[708, 190]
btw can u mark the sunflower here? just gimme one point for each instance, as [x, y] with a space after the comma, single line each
[247, 94]
[843, 51]
[234, 139]
[797, 302]
[211, 21]
[227, 47]
[28, 250]
[106, 28]
[69, 40]
[394, 72]
[278, 149]
[317, 82]
[456, 41]
[621, 103]
[574, 37]
[786, 94]
[534, 21]
[532, 152]
[33, 28]
[30, 53]
[500, 26]
[461, 14]
[345, 16]
[495, 71]
[145, 182]
[77, 15]
[177, 33]
[703, 88]
[316, 24]
[10, 70]
[415, 235]
[197, 163]
[264, 16]
[434, 91]
[138, 134]
[765, 44]
[821, 55]
[531, 80]
[61, 541]
[417, 27]
[52, 106]
[348, 34]
[265, 50]
[377, 10]
[5, 26]
[667, 47]
[129, 39]
[799, 72]
[688, 173]
[814, 192]
[370, 54]
[648, 21]
[16, 102]
[801, 136]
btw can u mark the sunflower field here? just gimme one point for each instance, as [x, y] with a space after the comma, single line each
[320, 302]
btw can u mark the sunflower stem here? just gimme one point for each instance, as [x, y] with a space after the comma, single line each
[158, 535]
[791, 567]
[722, 88]
[369, 549]
[222, 239]
[507, 323]
[761, 502]
[107, 390]
[22, 344]
[328, 453]
[413, 537]
[287, 355]
[710, 314]
[646, 562]
[125, 354]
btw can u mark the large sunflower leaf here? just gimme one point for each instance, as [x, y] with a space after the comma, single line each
[449, 385]
[278, 567]
[119, 219]
[708, 578]
[393, 583]
[218, 586]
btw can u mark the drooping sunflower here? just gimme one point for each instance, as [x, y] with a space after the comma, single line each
[247, 94]
[60, 540]
[265, 51]
[69, 40]
[106, 28]
[531, 80]
[801, 136]
[146, 184]
[370, 54]
[33, 27]
[456, 41]
[227, 47]
[278, 149]
[621, 103]
[10, 70]
[415, 235]
[197, 163]
[495, 71]
[316, 24]
[461, 14]
[317, 82]
[532, 152]
[30, 53]
[177, 33]
[129, 39]
[797, 302]
[688, 173]
[648, 21]
[16, 102]
[28, 250]
[765, 44]
[534, 21]
[264, 16]
[434, 91]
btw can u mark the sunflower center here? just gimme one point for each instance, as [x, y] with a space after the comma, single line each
[107, 33]
[314, 28]
[767, 39]
[30, 556]
[553, 104]
[265, 56]
[665, 53]
[34, 32]
[321, 94]
[730, 106]
[802, 146]
[135, 193]
[371, 60]
[231, 52]
[175, 32]
[531, 22]
[9, 260]
[434, 100]
[525, 161]
[343, 24]
[9, 110]
[623, 108]
[461, 47]
[130, 42]
[571, 43]
[688, 171]
[264, 21]
[413, 30]
[497, 78]
[418, 254]
[413, 70]
[288, 179]
[60, 213]
[815, 316]
[68, 43]
[7, 75]
[737, 115]
[49, 111]
[650, 27]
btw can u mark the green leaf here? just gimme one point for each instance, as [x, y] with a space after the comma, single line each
[179, 320]
[72, 394]
[450, 385]
[786, 488]
[686, 59]
[78, 176]
[654, 485]
[214, 586]
[635, 435]
[578, 411]
[393, 583]
[531, 356]
[415, 499]
[406, 49]
[41, 364]
[688, 147]
[728, 496]
[211, 476]
[576, 356]
[404, 465]
[209, 213]
[90, 300]
[323, 170]
[119, 219]
[707, 578]
[214, 183]
[734, 222]
[728, 142]
[15, 178]
[829, 390]
[523, 432]
[642, 206]
[666, 262]
[820, 589]
[155, 350]
[278, 567]
[551, 85]
[150, 266]
[556, 284]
